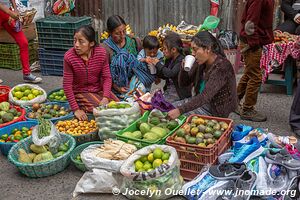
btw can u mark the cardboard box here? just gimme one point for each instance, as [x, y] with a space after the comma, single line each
[29, 31]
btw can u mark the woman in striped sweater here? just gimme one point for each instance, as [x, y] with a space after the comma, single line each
[87, 80]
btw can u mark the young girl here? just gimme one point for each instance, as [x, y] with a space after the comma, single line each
[172, 49]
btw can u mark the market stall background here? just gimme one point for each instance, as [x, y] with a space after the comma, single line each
[275, 104]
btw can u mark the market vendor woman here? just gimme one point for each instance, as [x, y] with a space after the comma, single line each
[213, 80]
[122, 49]
[87, 80]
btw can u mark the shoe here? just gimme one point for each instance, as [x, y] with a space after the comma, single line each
[225, 157]
[30, 78]
[262, 140]
[293, 188]
[227, 171]
[282, 158]
[253, 115]
[247, 152]
[240, 132]
[277, 177]
[195, 188]
[293, 151]
[246, 182]
[281, 141]
[222, 190]
[239, 109]
[262, 177]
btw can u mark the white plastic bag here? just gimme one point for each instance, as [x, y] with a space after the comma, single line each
[38, 99]
[111, 121]
[53, 140]
[91, 161]
[164, 178]
[98, 181]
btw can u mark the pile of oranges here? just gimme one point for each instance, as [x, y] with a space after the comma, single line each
[75, 127]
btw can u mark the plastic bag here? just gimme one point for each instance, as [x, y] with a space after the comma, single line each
[228, 39]
[53, 140]
[112, 120]
[164, 178]
[158, 101]
[98, 181]
[91, 161]
[38, 99]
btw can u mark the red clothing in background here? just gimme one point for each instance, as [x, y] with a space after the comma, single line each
[91, 77]
[257, 23]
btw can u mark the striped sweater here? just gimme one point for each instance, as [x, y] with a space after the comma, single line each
[91, 76]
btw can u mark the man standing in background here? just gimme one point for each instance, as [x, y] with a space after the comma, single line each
[257, 21]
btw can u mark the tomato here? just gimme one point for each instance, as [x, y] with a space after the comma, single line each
[16, 141]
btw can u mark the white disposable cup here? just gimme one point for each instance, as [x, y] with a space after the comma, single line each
[152, 68]
[188, 62]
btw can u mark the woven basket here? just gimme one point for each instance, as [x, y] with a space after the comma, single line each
[42, 169]
[81, 139]
[5, 147]
[53, 120]
[77, 151]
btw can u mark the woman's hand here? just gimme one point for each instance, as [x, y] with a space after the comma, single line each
[14, 14]
[174, 114]
[81, 115]
[153, 61]
[104, 101]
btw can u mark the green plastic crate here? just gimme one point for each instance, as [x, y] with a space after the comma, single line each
[10, 55]
[56, 32]
[141, 143]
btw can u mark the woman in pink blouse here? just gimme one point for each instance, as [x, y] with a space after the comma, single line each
[87, 80]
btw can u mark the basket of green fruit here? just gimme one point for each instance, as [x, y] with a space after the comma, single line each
[38, 161]
[53, 111]
[57, 95]
[75, 155]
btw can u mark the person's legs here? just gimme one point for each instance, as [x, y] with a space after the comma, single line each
[22, 42]
[287, 26]
[252, 61]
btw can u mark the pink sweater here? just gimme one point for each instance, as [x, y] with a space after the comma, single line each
[80, 77]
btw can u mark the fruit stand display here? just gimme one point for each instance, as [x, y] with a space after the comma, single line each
[199, 142]
[82, 131]
[150, 129]
[53, 110]
[57, 95]
[10, 114]
[154, 167]
[14, 133]
[27, 94]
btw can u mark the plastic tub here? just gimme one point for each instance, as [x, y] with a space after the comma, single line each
[4, 93]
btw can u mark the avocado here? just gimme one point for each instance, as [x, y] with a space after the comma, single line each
[180, 132]
[162, 125]
[210, 141]
[217, 127]
[210, 124]
[199, 140]
[217, 134]
[191, 140]
[208, 130]
[208, 135]
[154, 120]
[172, 124]
[201, 128]
[7, 117]
[13, 111]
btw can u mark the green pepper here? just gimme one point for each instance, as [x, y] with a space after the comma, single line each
[25, 129]
[4, 137]
[63, 147]
[18, 137]
[15, 130]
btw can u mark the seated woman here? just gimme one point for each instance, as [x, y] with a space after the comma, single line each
[291, 10]
[213, 80]
[122, 53]
[87, 80]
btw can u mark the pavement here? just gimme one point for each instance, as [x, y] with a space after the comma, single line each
[273, 101]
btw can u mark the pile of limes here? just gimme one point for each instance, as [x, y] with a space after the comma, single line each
[58, 96]
[26, 93]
